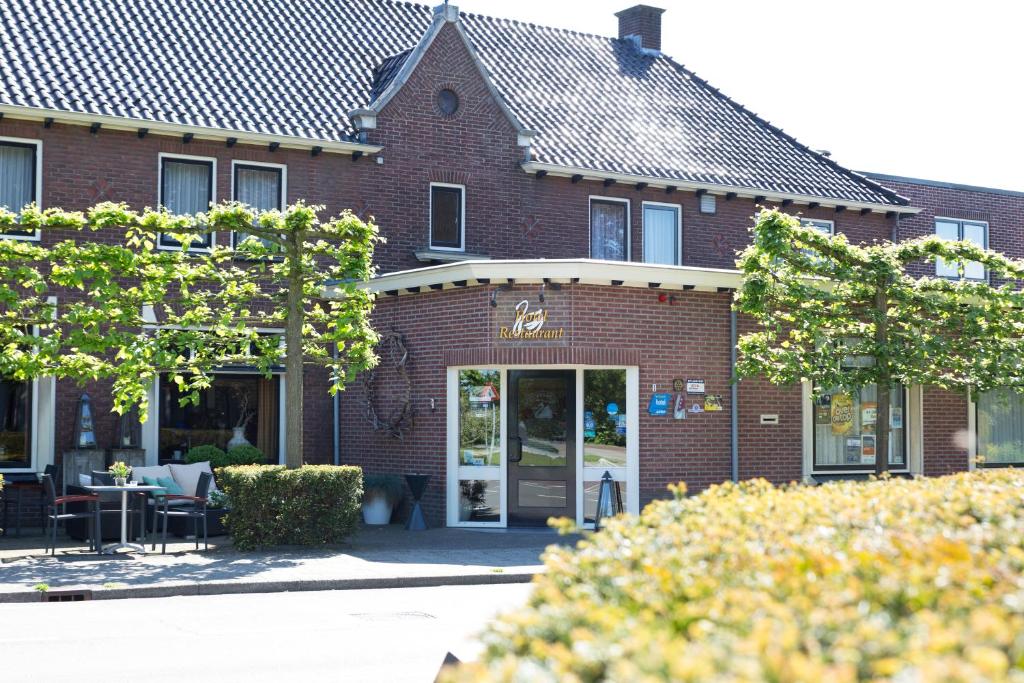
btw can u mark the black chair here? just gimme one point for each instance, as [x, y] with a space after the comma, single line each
[194, 509]
[110, 504]
[54, 515]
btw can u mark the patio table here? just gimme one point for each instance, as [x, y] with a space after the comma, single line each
[112, 548]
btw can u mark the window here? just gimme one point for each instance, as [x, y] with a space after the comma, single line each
[604, 435]
[15, 424]
[19, 180]
[827, 227]
[609, 229]
[186, 189]
[447, 209]
[248, 403]
[260, 186]
[662, 227]
[479, 446]
[844, 429]
[964, 231]
[708, 203]
[1001, 427]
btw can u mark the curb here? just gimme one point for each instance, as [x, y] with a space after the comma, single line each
[299, 585]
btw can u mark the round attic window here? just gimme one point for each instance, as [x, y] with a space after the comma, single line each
[447, 102]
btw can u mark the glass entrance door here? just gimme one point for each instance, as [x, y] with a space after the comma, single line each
[541, 446]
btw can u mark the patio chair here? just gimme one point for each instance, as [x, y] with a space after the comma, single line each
[54, 515]
[110, 504]
[194, 509]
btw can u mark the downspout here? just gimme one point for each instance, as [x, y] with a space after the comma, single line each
[734, 394]
[336, 415]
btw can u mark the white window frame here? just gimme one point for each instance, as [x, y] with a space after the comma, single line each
[38, 198]
[819, 223]
[462, 218]
[913, 424]
[679, 228]
[629, 223]
[455, 471]
[235, 163]
[714, 202]
[960, 231]
[160, 193]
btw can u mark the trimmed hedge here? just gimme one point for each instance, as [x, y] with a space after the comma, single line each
[896, 580]
[272, 505]
[239, 455]
[210, 453]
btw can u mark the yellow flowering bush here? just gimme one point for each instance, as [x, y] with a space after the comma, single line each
[888, 580]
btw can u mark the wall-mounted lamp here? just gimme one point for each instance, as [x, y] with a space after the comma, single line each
[433, 406]
[541, 295]
[494, 298]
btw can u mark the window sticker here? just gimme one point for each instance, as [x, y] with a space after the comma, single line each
[842, 414]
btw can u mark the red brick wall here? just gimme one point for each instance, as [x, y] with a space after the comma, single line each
[689, 339]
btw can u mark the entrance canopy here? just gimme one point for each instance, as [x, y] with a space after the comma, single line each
[561, 271]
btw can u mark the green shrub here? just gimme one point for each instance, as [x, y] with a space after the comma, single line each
[245, 455]
[895, 580]
[272, 505]
[216, 456]
[390, 486]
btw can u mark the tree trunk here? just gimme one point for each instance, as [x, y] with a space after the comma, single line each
[884, 386]
[293, 364]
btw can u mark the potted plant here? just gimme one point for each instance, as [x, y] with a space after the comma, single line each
[381, 492]
[120, 472]
[245, 416]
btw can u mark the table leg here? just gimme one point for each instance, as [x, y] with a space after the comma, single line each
[124, 517]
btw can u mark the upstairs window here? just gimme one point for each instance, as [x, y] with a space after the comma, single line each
[961, 231]
[609, 229]
[447, 217]
[826, 227]
[186, 189]
[708, 203]
[260, 186]
[662, 227]
[18, 187]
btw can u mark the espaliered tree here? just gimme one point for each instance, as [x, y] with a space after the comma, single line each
[846, 316]
[127, 311]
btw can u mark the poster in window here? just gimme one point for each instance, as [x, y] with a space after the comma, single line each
[869, 414]
[842, 414]
[867, 449]
[852, 454]
[896, 417]
[823, 410]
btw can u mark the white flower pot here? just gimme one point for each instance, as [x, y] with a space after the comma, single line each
[376, 510]
[238, 438]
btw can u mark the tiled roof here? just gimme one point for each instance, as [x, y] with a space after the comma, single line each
[296, 67]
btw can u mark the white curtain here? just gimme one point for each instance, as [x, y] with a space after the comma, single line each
[608, 231]
[1001, 426]
[16, 176]
[661, 235]
[186, 187]
[260, 188]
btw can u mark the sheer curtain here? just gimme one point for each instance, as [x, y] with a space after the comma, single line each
[16, 176]
[661, 234]
[608, 230]
[1001, 426]
[186, 191]
[258, 187]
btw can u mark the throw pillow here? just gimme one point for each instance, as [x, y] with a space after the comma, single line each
[188, 476]
[171, 486]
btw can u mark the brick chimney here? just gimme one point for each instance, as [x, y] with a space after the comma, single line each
[643, 24]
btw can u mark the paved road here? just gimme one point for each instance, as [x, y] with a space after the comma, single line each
[364, 635]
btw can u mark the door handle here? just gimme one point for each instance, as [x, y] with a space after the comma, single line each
[515, 449]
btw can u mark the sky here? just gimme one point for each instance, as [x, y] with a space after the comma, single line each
[930, 90]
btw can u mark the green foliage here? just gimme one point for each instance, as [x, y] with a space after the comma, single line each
[41, 587]
[900, 580]
[209, 305]
[119, 470]
[245, 455]
[391, 486]
[215, 456]
[272, 505]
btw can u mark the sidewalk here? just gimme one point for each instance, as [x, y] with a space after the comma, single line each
[377, 557]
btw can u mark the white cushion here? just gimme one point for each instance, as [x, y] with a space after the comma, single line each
[187, 476]
[84, 479]
[153, 472]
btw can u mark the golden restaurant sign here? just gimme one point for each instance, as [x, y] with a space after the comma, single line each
[529, 324]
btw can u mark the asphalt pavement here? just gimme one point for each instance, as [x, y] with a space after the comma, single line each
[398, 635]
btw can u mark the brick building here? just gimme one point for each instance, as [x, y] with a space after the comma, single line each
[561, 211]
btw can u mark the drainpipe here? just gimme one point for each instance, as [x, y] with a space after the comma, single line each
[734, 393]
[336, 415]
